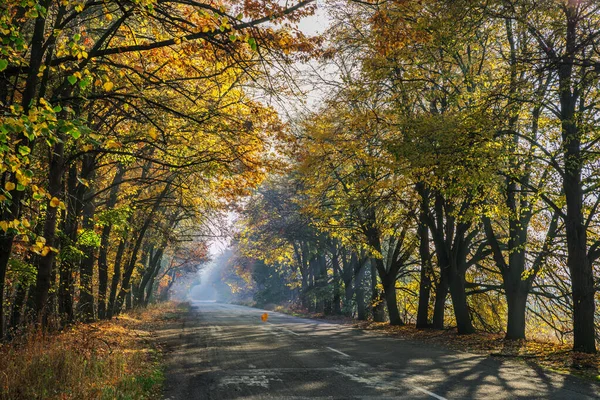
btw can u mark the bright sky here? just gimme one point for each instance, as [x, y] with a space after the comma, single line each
[316, 23]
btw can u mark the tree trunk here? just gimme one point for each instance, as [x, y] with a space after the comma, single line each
[425, 281]
[361, 295]
[389, 289]
[377, 300]
[459, 304]
[45, 263]
[517, 305]
[104, 243]
[66, 266]
[128, 299]
[337, 287]
[116, 278]
[86, 294]
[27, 99]
[439, 308]
[582, 278]
[348, 275]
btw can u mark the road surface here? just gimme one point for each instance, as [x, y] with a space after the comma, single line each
[222, 351]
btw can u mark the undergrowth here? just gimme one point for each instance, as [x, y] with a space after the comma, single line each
[104, 360]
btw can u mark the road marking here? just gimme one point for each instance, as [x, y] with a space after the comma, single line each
[435, 396]
[337, 351]
[292, 332]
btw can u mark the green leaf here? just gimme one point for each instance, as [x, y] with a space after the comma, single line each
[84, 83]
[57, 109]
[3, 65]
[75, 133]
[24, 150]
[252, 43]
[20, 187]
[72, 79]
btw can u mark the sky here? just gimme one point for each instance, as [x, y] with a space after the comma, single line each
[315, 24]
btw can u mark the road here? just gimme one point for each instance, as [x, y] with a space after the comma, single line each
[222, 351]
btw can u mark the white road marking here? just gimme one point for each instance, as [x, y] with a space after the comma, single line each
[337, 351]
[435, 396]
[284, 329]
[292, 332]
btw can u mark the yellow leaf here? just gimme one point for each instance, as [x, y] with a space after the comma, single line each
[9, 186]
[54, 202]
[4, 225]
[45, 251]
[111, 144]
[108, 86]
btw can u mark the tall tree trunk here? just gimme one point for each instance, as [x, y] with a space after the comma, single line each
[27, 98]
[360, 293]
[582, 277]
[439, 308]
[348, 275]
[44, 268]
[389, 289]
[105, 241]
[128, 299]
[425, 275]
[459, 303]
[86, 295]
[66, 266]
[337, 280]
[517, 305]
[377, 301]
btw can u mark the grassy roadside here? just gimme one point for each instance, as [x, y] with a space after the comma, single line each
[556, 357]
[104, 360]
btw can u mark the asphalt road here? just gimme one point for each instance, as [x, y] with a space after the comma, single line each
[222, 351]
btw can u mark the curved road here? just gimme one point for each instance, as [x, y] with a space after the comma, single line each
[222, 351]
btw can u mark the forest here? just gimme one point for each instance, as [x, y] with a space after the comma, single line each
[419, 162]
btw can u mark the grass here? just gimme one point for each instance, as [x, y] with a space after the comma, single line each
[105, 360]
